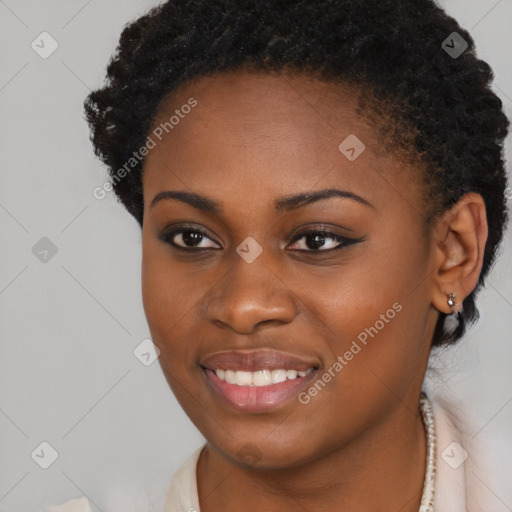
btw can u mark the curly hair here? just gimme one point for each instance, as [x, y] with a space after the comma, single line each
[440, 106]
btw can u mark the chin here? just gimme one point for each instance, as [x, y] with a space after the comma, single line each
[261, 452]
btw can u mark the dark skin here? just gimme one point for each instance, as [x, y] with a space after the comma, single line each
[254, 138]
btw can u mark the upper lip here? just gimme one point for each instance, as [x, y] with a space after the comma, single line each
[254, 360]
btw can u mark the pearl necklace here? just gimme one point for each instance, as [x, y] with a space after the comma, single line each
[427, 497]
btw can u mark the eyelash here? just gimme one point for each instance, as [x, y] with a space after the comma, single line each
[342, 240]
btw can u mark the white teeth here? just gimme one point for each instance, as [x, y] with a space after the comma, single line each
[291, 374]
[243, 378]
[261, 377]
[278, 376]
[230, 377]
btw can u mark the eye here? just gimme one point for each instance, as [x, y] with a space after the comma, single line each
[322, 241]
[187, 238]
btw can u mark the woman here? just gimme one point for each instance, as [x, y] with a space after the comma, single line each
[321, 191]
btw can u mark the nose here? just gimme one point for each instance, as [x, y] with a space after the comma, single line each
[250, 294]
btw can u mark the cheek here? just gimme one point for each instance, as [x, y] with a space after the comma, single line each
[373, 313]
[171, 301]
[165, 296]
[157, 296]
[165, 304]
[374, 360]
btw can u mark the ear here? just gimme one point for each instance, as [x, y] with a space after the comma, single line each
[459, 242]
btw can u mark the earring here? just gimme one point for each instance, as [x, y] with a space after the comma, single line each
[450, 301]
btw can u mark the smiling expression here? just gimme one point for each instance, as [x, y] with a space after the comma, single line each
[267, 252]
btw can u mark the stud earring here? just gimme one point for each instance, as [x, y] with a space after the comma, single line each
[450, 301]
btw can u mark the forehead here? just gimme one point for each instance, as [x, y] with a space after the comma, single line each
[264, 103]
[255, 131]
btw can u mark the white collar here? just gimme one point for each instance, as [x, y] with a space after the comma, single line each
[450, 485]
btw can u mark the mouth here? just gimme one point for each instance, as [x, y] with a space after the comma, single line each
[260, 378]
[258, 381]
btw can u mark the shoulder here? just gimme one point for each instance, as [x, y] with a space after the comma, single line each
[76, 505]
[467, 475]
[182, 495]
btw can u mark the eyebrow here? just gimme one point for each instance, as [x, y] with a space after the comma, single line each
[281, 205]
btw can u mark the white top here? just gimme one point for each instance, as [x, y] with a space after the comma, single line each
[457, 487]
[459, 484]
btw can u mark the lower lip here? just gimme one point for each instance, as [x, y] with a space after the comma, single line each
[257, 398]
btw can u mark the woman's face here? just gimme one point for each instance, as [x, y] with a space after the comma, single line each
[269, 277]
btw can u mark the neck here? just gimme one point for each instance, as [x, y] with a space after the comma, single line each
[378, 470]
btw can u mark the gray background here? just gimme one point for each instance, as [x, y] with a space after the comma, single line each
[69, 326]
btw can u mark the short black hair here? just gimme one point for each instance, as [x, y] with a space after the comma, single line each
[392, 50]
